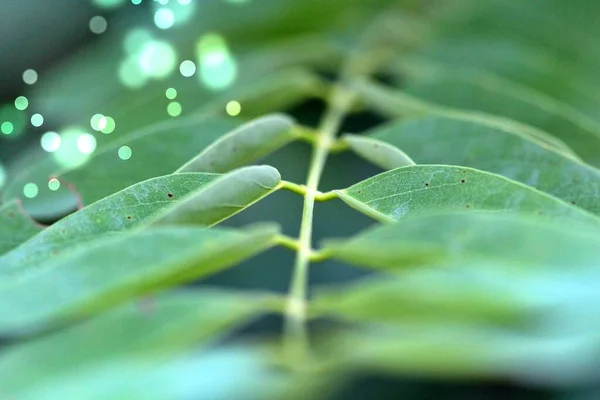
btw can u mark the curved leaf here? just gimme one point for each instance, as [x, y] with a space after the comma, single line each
[378, 152]
[148, 335]
[113, 270]
[15, 226]
[226, 196]
[420, 189]
[398, 104]
[513, 240]
[247, 143]
[461, 140]
[485, 93]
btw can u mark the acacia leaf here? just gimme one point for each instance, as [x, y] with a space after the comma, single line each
[112, 270]
[243, 145]
[15, 226]
[462, 140]
[453, 238]
[171, 196]
[420, 189]
[143, 333]
[380, 153]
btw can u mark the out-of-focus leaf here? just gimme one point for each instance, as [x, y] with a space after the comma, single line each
[517, 241]
[380, 153]
[421, 189]
[112, 270]
[461, 140]
[226, 196]
[485, 93]
[187, 196]
[144, 334]
[246, 144]
[15, 226]
[155, 151]
[395, 103]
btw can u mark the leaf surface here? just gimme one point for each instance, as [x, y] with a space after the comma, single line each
[245, 144]
[144, 334]
[15, 226]
[461, 140]
[378, 152]
[113, 270]
[514, 240]
[421, 189]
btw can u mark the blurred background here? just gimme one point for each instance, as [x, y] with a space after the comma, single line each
[76, 75]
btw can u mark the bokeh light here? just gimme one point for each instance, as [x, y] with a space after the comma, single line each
[30, 76]
[69, 154]
[136, 39]
[164, 18]
[218, 68]
[136, 2]
[109, 3]
[98, 122]
[187, 68]
[125, 153]
[50, 141]
[98, 24]
[54, 184]
[30, 190]
[233, 108]
[174, 109]
[7, 128]
[86, 143]
[157, 59]
[37, 120]
[110, 125]
[171, 93]
[21, 103]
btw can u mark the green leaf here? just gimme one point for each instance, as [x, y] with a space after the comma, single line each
[515, 240]
[124, 210]
[486, 93]
[178, 198]
[462, 140]
[226, 196]
[108, 272]
[15, 226]
[146, 334]
[378, 152]
[395, 103]
[157, 150]
[246, 144]
[420, 189]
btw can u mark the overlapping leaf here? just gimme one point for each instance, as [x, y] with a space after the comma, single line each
[461, 140]
[186, 197]
[421, 189]
[112, 270]
[514, 240]
[142, 334]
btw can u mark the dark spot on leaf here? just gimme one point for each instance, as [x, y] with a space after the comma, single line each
[573, 202]
[462, 181]
[234, 149]
[468, 206]
[129, 217]
[170, 195]
[11, 214]
[427, 184]
[540, 213]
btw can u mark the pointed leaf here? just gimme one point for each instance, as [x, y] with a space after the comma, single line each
[462, 140]
[246, 144]
[15, 226]
[421, 189]
[113, 270]
[127, 209]
[451, 239]
[224, 197]
[378, 152]
[398, 104]
[148, 334]
[486, 93]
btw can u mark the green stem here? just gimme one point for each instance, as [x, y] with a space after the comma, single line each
[296, 339]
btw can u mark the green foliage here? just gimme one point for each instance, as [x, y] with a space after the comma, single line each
[485, 267]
